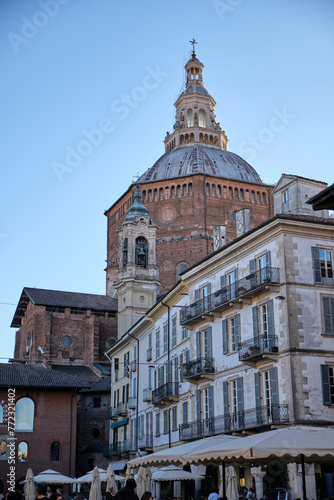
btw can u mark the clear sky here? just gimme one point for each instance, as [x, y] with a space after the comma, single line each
[72, 67]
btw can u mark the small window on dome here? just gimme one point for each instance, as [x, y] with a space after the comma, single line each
[201, 118]
[190, 119]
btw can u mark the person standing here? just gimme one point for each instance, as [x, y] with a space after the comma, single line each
[127, 492]
[214, 495]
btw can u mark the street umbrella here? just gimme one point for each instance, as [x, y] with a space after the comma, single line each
[50, 476]
[232, 492]
[129, 473]
[88, 478]
[143, 480]
[173, 473]
[29, 486]
[95, 489]
[111, 483]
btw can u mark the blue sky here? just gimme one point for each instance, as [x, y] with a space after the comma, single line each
[100, 78]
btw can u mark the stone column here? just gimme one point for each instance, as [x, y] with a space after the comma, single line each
[157, 490]
[177, 489]
[198, 484]
[258, 475]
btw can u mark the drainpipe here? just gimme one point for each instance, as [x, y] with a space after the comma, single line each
[168, 359]
[205, 221]
[137, 396]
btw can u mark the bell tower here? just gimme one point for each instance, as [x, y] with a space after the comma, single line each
[138, 283]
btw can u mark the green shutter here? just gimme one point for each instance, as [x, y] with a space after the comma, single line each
[326, 386]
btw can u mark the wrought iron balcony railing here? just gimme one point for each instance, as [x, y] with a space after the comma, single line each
[118, 448]
[198, 368]
[258, 347]
[238, 421]
[121, 409]
[165, 392]
[253, 284]
[146, 441]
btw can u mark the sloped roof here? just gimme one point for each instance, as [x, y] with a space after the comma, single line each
[323, 200]
[82, 372]
[18, 375]
[39, 296]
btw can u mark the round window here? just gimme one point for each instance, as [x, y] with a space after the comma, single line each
[66, 341]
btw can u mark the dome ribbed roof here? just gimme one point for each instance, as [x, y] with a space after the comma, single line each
[198, 159]
[195, 89]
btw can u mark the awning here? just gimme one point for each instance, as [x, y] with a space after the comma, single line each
[119, 423]
[118, 464]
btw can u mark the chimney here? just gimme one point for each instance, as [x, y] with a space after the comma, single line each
[243, 221]
[219, 237]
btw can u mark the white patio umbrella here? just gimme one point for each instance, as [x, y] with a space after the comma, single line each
[29, 485]
[176, 454]
[129, 472]
[143, 480]
[290, 444]
[88, 478]
[50, 476]
[95, 489]
[232, 492]
[111, 483]
[173, 473]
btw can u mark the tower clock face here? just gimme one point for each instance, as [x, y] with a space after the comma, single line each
[167, 214]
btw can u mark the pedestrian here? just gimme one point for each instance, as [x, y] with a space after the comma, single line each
[147, 496]
[110, 493]
[127, 492]
[244, 493]
[214, 495]
[41, 489]
[251, 494]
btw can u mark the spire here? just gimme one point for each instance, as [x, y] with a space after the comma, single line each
[137, 207]
[193, 41]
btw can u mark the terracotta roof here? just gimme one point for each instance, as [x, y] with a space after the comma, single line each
[18, 375]
[39, 296]
[82, 372]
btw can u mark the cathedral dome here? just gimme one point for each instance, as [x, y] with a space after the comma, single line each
[197, 159]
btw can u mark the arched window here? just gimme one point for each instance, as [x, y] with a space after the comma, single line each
[190, 120]
[161, 193]
[201, 118]
[207, 189]
[242, 196]
[264, 199]
[192, 137]
[3, 448]
[253, 196]
[258, 197]
[24, 415]
[125, 252]
[22, 451]
[213, 190]
[216, 140]
[184, 190]
[230, 193]
[180, 268]
[155, 195]
[181, 139]
[178, 191]
[143, 194]
[149, 197]
[55, 452]
[141, 252]
[172, 192]
[236, 194]
[190, 189]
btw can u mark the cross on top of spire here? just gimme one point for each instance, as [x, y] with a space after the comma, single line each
[193, 42]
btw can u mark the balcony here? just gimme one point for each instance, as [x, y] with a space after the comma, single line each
[118, 448]
[252, 285]
[146, 442]
[120, 411]
[201, 368]
[132, 403]
[232, 422]
[147, 395]
[149, 354]
[255, 349]
[165, 393]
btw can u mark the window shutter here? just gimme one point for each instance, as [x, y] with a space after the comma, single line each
[237, 330]
[226, 412]
[185, 412]
[255, 326]
[187, 354]
[223, 281]
[328, 311]
[198, 345]
[252, 271]
[257, 397]
[176, 370]
[271, 324]
[211, 405]
[208, 288]
[268, 259]
[198, 404]
[224, 330]
[197, 294]
[274, 386]
[236, 274]
[131, 432]
[208, 343]
[316, 265]
[240, 393]
[181, 367]
[169, 371]
[326, 387]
